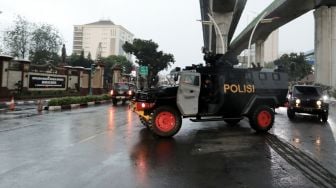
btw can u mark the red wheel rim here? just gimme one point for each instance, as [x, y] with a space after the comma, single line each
[165, 121]
[264, 119]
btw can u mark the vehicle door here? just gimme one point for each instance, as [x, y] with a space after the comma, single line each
[188, 93]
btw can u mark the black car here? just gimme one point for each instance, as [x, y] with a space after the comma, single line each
[307, 99]
[122, 91]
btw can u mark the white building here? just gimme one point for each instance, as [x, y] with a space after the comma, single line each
[103, 33]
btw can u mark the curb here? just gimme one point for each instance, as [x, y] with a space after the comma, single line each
[73, 106]
[24, 102]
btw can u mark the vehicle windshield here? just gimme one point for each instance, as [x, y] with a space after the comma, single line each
[304, 90]
[121, 86]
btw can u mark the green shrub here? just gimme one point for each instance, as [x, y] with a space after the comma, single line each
[46, 94]
[77, 100]
[106, 97]
[53, 102]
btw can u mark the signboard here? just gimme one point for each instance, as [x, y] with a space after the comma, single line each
[143, 70]
[40, 81]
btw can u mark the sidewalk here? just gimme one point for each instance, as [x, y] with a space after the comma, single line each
[24, 102]
[5, 105]
[25, 111]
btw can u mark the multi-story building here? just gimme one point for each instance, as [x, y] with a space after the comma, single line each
[102, 37]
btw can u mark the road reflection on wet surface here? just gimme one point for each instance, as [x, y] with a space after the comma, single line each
[310, 135]
[107, 146]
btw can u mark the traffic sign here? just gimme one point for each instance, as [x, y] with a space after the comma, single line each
[143, 70]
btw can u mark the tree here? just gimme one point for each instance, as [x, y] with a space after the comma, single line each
[114, 60]
[63, 54]
[147, 54]
[17, 39]
[295, 65]
[89, 56]
[80, 60]
[45, 45]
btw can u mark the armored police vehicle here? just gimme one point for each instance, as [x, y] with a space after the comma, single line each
[216, 92]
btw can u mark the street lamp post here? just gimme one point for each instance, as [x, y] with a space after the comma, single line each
[261, 20]
[217, 29]
[218, 32]
[250, 41]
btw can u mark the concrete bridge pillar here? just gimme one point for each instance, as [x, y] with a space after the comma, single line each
[325, 45]
[223, 21]
[260, 53]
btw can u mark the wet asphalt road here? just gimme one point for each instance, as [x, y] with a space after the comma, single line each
[106, 146]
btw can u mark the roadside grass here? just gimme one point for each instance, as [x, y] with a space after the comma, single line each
[77, 100]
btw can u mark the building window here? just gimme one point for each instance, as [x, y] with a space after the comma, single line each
[113, 32]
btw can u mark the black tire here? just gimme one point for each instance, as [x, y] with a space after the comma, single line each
[232, 121]
[144, 122]
[114, 102]
[324, 117]
[170, 120]
[290, 114]
[262, 118]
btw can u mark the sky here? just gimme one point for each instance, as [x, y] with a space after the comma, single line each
[170, 23]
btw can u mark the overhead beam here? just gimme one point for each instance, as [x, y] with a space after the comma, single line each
[227, 13]
[285, 10]
[238, 10]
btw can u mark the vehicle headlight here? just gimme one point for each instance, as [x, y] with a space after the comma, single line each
[319, 103]
[289, 96]
[297, 101]
[325, 98]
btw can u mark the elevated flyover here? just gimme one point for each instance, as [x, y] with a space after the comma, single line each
[285, 11]
[226, 14]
